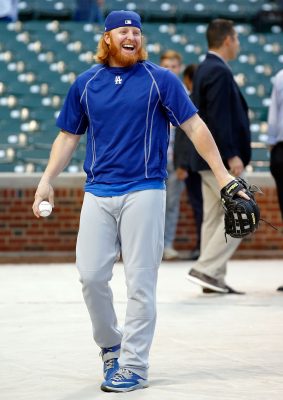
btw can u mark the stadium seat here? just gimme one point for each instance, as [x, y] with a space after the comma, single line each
[7, 167]
[39, 60]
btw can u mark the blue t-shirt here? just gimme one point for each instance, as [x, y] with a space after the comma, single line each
[126, 112]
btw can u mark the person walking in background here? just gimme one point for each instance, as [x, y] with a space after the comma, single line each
[182, 156]
[9, 10]
[172, 60]
[125, 103]
[188, 77]
[275, 137]
[224, 110]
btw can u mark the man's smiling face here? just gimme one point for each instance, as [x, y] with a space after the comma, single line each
[125, 46]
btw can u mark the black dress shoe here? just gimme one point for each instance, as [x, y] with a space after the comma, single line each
[280, 289]
[230, 291]
[208, 291]
[207, 281]
[233, 291]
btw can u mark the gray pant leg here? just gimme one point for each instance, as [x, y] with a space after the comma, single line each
[215, 252]
[174, 188]
[97, 247]
[142, 230]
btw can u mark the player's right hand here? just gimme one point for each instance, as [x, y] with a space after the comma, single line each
[44, 192]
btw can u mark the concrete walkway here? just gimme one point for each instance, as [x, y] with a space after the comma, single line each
[206, 347]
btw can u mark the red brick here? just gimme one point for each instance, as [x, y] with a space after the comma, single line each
[21, 231]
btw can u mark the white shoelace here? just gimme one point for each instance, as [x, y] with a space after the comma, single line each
[109, 363]
[121, 374]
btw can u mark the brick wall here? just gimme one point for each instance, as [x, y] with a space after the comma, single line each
[23, 238]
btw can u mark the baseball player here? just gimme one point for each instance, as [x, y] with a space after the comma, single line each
[125, 104]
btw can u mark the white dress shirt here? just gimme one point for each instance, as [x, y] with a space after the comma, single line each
[275, 114]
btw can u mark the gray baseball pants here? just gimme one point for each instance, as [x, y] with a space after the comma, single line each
[133, 224]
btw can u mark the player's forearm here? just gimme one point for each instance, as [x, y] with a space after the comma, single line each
[61, 153]
[208, 150]
[205, 145]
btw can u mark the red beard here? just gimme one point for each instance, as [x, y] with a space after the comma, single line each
[125, 60]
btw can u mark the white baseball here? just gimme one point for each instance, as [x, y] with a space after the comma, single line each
[45, 209]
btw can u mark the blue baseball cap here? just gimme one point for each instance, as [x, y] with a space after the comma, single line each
[116, 19]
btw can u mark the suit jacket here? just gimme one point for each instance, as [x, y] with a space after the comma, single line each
[183, 148]
[224, 109]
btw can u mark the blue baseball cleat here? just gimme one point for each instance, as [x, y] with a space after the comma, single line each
[124, 380]
[110, 360]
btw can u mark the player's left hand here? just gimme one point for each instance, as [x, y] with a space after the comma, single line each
[242, 213]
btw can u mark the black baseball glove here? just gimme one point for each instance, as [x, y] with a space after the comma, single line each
[241, 216]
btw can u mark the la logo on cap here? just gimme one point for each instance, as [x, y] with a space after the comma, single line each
[128, 21]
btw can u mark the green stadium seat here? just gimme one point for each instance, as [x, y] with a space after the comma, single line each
[7, 154]
[44, 139]
[17, 87]
[152, 10]
[7, 167]
[33, 154]
[260, 153]
[54, 9]
[30, 100]
[10, 125]
[39, 59]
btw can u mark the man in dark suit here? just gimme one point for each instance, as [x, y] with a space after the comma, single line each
[223, 108]
[182, 158]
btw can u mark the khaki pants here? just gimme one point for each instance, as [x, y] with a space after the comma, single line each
[215, 252]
